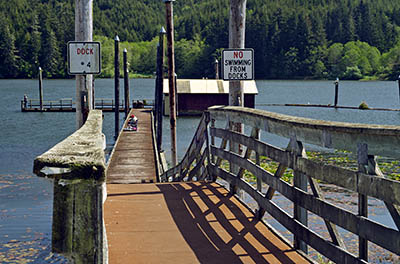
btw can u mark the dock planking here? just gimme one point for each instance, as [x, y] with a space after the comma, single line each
[132, 160]
[187, 222]
[193, 222]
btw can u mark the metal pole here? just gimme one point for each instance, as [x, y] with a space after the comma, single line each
[126, 83]
[83, 32]
[160, 87]
[116, 84]
[336, 91]
[171, 79]
[41, 88]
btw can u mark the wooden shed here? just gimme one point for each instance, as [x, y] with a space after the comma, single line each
[194, 96]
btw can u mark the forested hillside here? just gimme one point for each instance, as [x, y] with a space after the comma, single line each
[349, 39]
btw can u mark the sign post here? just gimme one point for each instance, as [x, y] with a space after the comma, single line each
[83, 59]
[238, 64]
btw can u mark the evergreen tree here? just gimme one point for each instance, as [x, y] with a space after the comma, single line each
[8, 62]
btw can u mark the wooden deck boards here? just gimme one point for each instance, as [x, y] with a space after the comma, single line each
[178, 222]
[133, 158]
[187, 223]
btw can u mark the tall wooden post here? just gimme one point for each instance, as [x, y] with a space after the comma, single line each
[126, 83]
[41, 88]
[116, 84]
[83, 32]
[398, 81]
[336, 91]
[171, 77]
[160, 87]
[237, 28]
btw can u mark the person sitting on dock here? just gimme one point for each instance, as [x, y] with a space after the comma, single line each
[132, 123]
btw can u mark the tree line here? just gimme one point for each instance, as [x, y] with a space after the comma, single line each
[349, 39]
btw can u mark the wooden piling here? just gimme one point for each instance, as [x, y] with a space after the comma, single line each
[237, 29]
[171, 79]
[216, 69]
[398, 82]
[126, 83]
[83, 32]
[159, 88]
[336, 91]
[41, 88]
[116, 84]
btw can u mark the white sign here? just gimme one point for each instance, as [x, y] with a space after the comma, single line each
[238, 64]
[84, 57]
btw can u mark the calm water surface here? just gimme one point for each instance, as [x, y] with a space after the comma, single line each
[26, 200]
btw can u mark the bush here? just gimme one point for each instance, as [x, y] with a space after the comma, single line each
[363, 106]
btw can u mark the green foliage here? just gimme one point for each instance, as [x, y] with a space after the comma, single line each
[8, 62]
[291, 38]
[363, 106]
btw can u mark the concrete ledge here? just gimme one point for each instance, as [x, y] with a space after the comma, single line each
[81, 154]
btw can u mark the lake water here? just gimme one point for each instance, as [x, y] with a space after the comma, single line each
[26, 200]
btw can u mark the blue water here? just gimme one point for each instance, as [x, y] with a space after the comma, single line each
[26, 200]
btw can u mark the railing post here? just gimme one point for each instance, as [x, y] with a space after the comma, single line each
[362, 158]
[207, 120]
[299, 181]
[212, 140]
[259, 183]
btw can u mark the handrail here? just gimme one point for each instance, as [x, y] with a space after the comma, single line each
[182, 170]
[365, 140]
[383, 140]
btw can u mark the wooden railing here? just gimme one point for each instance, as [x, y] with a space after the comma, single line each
[193, 165]
[367, 141]
[65, 103]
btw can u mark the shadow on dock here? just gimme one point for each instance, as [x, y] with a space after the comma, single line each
[195, 222]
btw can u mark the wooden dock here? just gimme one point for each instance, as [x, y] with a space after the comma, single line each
[133, 157]
[68, 105]
[193, 222]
